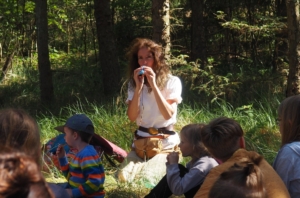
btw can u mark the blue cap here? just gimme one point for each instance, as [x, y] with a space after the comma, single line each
[78, 122]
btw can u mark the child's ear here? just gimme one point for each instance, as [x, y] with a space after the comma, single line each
[75, 135]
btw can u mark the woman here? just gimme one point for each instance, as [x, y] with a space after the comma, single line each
[287, 161]
[153, 96]
[18, 130]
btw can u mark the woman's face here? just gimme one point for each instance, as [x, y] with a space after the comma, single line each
[145, 57]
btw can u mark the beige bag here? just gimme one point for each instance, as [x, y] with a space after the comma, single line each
[147, 148]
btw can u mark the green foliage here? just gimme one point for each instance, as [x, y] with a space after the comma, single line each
[29, 7]
[265, 25]
[239, 41]
[218, 82]
[78, 95]
[131, 15]
[243, 79]
[206, 80]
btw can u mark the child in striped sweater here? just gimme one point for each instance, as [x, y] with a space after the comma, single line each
[85, 173]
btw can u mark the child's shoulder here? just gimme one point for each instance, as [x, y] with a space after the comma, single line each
[89, 150]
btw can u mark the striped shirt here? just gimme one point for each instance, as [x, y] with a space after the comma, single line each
[85, 173]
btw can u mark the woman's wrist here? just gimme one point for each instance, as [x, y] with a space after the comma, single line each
[138, 90]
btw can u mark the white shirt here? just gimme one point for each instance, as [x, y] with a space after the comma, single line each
[150, 116]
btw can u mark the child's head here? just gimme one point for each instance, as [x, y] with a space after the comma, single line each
[20, 176]
[190, 141]
[80, 124]
[243, 180]
[19, 130]
[289, 119]
[222, 137]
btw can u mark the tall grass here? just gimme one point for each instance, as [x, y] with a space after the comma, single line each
[111, 122]
[20, 88]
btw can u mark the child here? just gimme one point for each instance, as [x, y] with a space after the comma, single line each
[287, 161]
[224, 139]
[243, 180]
[20, 176]
[20, 131]
[85, 173]
[180, 180]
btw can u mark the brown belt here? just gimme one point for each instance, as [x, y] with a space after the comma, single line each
[152, 136]
[153, 131]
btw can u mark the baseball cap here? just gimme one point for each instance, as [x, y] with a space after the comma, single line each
[78, 122]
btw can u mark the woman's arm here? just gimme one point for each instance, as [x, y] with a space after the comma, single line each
[166, 107]
[133, 105]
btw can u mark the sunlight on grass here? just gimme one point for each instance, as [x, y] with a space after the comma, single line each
[111, 122]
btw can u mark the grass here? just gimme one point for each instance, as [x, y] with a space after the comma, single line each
[73, 95]
[111, 122]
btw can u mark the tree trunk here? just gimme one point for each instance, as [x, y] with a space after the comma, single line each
[227, 35]
[107, 48]
[46, 85]
[7, 65]
[198, 43]
[281, 45]
[161, 24]
[293, 82]
[0, 52]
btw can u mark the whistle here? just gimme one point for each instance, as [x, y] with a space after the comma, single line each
[141, 72]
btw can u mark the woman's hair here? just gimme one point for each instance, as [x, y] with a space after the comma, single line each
[159, 66]
[192, 132]
[221, 136]
[289, 117]
[243, 180]
[20, 176]
[20, 131]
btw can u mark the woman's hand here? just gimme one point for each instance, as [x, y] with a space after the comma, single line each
[147, 73]
[138, 77]
[173, 158]
[150, 75]
[60, 151]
